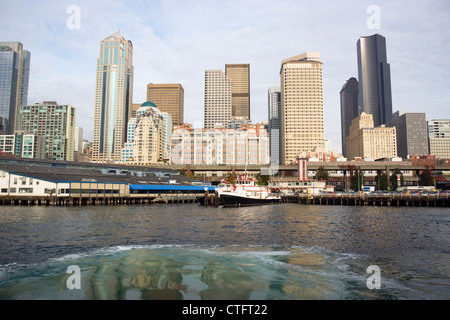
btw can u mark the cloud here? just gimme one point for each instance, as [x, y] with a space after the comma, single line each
[176, 41]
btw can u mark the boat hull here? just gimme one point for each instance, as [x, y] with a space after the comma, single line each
[230, 200]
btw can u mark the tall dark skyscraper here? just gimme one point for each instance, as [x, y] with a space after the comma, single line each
[274, 99]
[349, 108]
[374, 76]
[14, 77]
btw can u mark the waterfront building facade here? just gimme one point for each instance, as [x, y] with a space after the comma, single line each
[14, 79]
[349, 108]
[412, 133]
[169, 98]
[302, 119]
[113, 97]
[374, 76]
[54, 122]
[218, 107]
[367, 141]
[248, 145]
[239, 74]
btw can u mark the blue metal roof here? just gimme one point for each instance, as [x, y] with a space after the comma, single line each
[169, 187]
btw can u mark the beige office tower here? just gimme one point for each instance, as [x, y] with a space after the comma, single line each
[302, 122]
[113, 97]
[134, 108]
[239, 74]
[217, 98]
[366, 141]
[169, 98]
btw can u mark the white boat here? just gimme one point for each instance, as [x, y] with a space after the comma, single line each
[246, 192]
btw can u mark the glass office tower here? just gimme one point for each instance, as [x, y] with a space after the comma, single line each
[113, 98]
[14, 78]
[374, 76]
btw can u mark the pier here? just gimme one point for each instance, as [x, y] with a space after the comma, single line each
[95, 201]
[388, 200]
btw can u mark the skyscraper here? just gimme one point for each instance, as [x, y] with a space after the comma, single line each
[302, 122]
[374, 76]
[239, 74]
[412, 133]
[169, 98]
[349, 108]
[113, 97]
[14, 78]
[274, 98]
[218, 107]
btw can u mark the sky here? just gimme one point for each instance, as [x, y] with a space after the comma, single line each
[175, 41]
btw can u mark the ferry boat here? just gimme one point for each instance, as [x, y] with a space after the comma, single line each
[246, 192]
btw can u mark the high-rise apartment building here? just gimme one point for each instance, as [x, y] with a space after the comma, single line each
[239, 74]
[412, 133]
[148, 139]
[274, 128]
[55, 122]
[14, 78]
[148, 136]
[169, 98]
[366, 141]
[349, 108]
[218, 107]
[25, 145]
[374, 76]
[302, 121]
[439, 138]
[113, 97]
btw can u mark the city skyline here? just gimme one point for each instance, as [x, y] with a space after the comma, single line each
[166, 35]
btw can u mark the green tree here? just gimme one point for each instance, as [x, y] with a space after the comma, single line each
[394, 181]
[382, 180]
[231, 178]
[263, 179]
[322, 174]
[357, 181]
[425, 178]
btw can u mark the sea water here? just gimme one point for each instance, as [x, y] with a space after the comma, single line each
[187, 251]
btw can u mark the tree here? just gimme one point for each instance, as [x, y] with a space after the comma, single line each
[394, 179]
[425, 178]
[322, 174]
[382, 180]
[357, 180]
[263, 179]
[231, 178]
